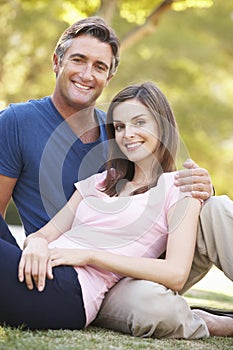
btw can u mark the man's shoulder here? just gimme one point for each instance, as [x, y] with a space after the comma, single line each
[30, 104]
[25, 110]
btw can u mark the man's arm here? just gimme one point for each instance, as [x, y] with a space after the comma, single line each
[7, 185]
[195, 180]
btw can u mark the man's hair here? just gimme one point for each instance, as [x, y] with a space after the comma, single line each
[93, 26]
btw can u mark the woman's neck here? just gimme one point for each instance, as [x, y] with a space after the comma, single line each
[142, 179]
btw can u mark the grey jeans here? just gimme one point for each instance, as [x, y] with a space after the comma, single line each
[147, 309]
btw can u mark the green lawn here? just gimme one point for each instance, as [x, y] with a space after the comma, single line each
[99, 339]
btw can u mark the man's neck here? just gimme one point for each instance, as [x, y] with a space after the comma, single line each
[85, 125]
[82, 122]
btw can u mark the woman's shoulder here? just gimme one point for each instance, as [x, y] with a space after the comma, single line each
[167, 178]
[92, 184]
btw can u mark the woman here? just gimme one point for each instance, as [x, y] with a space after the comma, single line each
[116, 224]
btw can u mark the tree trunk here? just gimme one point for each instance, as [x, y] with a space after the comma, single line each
[107, 10]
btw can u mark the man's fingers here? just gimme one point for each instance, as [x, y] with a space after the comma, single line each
[190, 164]
[193, 187]
[184, 179]
[200, 195]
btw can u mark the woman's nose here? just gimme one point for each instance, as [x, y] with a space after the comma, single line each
[129, 131]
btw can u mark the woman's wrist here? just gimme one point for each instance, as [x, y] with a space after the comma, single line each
[34, 235]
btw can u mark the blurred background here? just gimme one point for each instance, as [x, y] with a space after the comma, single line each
[185, 46]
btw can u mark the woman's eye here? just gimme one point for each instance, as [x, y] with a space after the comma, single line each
[119, 127]
[140, 122]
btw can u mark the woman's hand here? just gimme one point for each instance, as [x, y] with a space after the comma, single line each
[195, 180]
[72, 257]
[35, 264]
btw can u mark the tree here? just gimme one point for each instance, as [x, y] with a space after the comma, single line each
[183, 45]
[29, 27]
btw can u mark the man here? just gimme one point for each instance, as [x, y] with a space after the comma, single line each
[46, 145]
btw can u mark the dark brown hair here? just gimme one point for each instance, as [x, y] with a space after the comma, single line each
[156, 102]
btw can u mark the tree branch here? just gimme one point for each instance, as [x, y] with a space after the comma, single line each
[148, 27]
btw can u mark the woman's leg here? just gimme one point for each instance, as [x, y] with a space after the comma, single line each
[214, 240]
[59, 306]
[146, 309]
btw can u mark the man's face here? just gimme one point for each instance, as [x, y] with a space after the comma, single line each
[83, 73]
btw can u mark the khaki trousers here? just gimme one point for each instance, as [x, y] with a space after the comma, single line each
[147, 309]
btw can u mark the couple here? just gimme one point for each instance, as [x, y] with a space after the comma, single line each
[70, 148]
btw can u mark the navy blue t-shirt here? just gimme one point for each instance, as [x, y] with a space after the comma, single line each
[38, 147]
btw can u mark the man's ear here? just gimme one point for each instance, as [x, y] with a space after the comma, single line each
[109, 78]
[55, 63]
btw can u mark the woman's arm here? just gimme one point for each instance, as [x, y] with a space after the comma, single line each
[35, 263]
[172, 272]
[60, 223]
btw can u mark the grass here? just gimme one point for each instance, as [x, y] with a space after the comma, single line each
[100, 339]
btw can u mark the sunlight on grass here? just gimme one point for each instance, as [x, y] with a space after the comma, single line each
[2, 334]
[214, 290]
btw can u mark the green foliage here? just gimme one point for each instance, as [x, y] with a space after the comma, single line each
[137, 11]
[188, 53]
[190, 57]
[184, 5]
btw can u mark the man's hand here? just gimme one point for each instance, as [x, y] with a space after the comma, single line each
[195, 180]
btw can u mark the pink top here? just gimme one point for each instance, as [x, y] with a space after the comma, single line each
[131, 226]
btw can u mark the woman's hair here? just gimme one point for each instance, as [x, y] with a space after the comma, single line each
[157, 104]
[93, 26]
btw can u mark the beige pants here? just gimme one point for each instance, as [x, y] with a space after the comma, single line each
[147, 309]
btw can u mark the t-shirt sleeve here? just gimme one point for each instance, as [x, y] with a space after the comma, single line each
[10, 149]
[92, 185]
[172, 192]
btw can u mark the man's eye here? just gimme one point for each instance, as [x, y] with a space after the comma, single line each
[101, 68]
[76, 60]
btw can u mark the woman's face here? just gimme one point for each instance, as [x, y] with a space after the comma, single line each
[136, 130]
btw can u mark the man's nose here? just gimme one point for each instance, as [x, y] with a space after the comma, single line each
[86, 72]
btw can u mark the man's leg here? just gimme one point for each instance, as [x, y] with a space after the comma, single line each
[146, 309]
[5, 232]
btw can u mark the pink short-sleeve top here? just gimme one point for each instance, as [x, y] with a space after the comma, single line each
[131, 226]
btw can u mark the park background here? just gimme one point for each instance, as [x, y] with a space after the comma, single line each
[186, 47]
